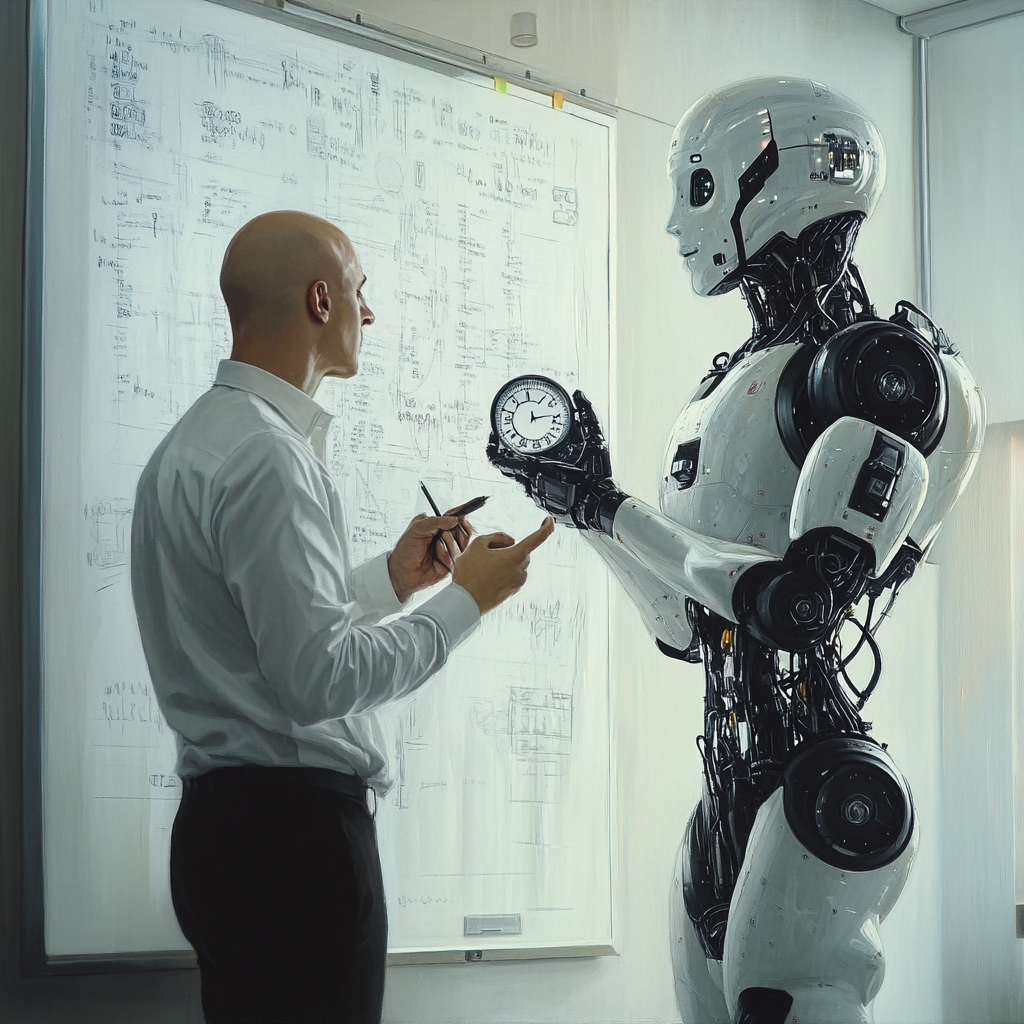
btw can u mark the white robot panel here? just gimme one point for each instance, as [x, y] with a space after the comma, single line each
[864, 481]
[727, 474]
[661, 606]
[685, 560]
[808, 928]
[951, 464]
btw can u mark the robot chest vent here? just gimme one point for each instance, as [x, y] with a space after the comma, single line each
[685, 463]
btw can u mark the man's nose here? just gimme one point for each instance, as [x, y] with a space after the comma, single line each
[368, 316]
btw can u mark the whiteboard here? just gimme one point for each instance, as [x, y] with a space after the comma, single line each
[482, 221]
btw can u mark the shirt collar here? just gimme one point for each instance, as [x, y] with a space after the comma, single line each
[308, 417]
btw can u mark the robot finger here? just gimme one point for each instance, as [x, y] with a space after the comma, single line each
[588, 419]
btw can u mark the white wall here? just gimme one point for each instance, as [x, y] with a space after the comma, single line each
[976, 129]
[976, 133]
[983, 979]
[654, 58]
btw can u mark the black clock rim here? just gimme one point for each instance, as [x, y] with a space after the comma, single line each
[554, 385]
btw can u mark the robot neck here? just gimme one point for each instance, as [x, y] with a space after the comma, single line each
[807, 289]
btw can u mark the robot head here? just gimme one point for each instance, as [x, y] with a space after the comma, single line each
[765, 157]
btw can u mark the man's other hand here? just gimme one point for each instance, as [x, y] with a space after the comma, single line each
[493, 567]
[426, 552]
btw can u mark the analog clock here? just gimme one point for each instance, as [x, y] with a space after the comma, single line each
[531, 415]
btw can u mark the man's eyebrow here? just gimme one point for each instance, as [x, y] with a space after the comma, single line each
[361, 283]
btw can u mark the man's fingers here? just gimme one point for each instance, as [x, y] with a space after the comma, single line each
[462, 534]
[451, 548]
[444, 551]
[535, 539]
[423, 526]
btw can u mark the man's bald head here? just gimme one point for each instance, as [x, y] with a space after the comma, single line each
[271, 262]
[294, 289]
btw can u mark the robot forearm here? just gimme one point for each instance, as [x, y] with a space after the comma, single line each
[708, 571]
[662, 608]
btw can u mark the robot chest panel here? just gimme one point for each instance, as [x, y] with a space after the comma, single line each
[727, 474]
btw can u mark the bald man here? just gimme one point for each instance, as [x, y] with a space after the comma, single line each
[265, 647]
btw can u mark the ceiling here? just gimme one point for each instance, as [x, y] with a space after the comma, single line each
[907, 6]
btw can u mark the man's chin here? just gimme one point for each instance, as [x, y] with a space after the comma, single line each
[344, 372]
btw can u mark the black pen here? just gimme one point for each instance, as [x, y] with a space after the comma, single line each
[433, 505]
[473, 505]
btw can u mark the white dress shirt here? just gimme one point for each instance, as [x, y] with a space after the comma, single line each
[262, 640]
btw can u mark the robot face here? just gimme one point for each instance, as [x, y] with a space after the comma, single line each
[760, 158]
[698, 204]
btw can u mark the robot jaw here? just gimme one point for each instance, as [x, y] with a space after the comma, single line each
[705, 220]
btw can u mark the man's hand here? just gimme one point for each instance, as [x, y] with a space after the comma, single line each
[493, 567]
[426, 552]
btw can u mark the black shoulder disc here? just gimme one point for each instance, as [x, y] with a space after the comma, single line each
[883, 372]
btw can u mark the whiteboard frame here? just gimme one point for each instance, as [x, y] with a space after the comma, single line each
[348, 27]
[33, 940]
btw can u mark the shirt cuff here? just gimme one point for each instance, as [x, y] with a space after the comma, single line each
[455, 610]
[372, 587]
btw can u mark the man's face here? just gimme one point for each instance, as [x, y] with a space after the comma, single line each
[349, 314]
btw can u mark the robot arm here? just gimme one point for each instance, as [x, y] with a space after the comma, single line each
[662, 608]
[658, 561]
[706, 570]
[859, 491]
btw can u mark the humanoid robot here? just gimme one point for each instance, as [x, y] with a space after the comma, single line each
[805, 479]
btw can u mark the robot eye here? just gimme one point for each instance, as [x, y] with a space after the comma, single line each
[702, 186]
[844, 157]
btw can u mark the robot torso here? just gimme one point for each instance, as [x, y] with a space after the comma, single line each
[730, 476]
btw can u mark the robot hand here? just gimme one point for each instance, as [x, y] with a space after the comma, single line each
[576, 486]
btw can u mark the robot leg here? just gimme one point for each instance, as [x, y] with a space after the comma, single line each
[698, 981]
[827, 858]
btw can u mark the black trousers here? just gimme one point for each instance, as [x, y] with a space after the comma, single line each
[276, 883]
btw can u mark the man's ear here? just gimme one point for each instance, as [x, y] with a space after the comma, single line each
[319, 301]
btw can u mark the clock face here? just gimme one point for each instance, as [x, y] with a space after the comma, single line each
[531, 415]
